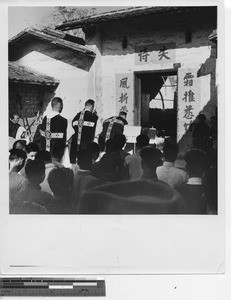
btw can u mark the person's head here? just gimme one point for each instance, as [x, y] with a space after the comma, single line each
[142, 140]
[57, 104]
[196, 162]
[112, 146]
[57, 149]
[15, 118]
[120, 138]
[110, 166]
[170, 152]
[19, 144]
[31, 150]
[201, 118]
[89, 104]
[60, 181]
[17, 159]
[35, 171]
[43, 155]
[132, 197]
[123, 115]
[85, 159]
[151, 158]
[95, 149]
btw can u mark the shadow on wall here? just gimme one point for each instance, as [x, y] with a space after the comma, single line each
[209, 67]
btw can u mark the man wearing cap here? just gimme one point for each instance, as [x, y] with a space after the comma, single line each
[84, 125]
[112, 126]
[54, 128]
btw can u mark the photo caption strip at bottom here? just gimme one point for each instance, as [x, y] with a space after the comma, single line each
[37, 286]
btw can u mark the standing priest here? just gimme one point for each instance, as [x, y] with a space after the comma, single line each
[84, 125]
[53, 130]
[112, 126]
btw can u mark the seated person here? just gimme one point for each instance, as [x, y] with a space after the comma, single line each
[121, 140]
[151, 158]
[110, 146]
[168, 172]
[45, 156]
[20, 144]
[17, 182]
[83, 176]
[193, 192]
[27, 207]
[132, 197]
[111, 168]
[134, 161]
[35, 172]
[95, 149]
[61, 184]
[56, 154]
[31, 150]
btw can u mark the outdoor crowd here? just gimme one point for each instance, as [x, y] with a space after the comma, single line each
[105, 179]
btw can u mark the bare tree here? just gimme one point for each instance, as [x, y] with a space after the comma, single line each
[61, 14]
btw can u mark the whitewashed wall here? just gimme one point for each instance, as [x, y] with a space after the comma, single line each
[115, 60]
[73, 87]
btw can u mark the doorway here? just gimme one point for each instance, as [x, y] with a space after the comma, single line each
[156, 102]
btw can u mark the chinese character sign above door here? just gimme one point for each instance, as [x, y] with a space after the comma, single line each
[189, 93]
[158, 54]
[124, 94]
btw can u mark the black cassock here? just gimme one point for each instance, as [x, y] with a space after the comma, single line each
[53, 134]
[84, 125]
[111, 127]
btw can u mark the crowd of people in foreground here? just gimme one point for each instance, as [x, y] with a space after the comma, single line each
[114, 181]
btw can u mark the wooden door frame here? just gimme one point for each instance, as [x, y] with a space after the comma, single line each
[137, 90]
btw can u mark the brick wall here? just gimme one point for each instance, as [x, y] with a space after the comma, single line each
[33, 98]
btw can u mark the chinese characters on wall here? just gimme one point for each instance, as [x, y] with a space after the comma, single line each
[158, 54]
[124, 94]
[188, 99]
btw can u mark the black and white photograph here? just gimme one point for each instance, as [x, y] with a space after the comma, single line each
[113, 110]
[115, 148]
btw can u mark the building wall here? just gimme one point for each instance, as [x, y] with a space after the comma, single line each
[33, 98]
[150, 31]
[69, 67]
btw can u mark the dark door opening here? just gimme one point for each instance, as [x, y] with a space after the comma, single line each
[156, 102]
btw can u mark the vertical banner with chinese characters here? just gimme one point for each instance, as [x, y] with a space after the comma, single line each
[124, 94]
[157, 54]
[189, 94]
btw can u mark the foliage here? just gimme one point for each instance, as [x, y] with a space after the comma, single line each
[61, 14]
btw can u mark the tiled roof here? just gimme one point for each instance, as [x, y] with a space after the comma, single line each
[55, 37]
[119, 14]
[18, 73]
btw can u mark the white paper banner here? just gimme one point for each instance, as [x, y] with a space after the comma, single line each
[189, 94]
[124, 94]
